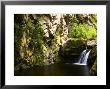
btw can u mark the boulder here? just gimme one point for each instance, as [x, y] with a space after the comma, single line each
[72, 49]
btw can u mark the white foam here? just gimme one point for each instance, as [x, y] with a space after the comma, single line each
[79, 64]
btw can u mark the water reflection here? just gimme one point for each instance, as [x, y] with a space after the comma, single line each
[65, 69]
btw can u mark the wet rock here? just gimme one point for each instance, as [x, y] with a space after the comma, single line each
[91, 43]
[93, 70]
[93, 56]
[20, 67]
[92, 61]
[72, 49]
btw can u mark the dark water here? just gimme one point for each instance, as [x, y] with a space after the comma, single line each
[65, 69]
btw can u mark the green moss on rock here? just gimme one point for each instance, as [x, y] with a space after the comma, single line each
[93, 70]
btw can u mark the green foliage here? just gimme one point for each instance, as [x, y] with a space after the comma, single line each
[28, 41]
[31, 44]
[82, 31]
[94, 16]
[36, 42]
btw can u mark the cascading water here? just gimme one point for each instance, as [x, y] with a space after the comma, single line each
[83, 57]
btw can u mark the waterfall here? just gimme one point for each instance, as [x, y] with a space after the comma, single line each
[83, 57]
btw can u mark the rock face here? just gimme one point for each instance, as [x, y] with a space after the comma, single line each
[56, 34]
[39, 39]
[91, 43]
[92, 61]
[93, 70]
[93, 56]
[72, 49]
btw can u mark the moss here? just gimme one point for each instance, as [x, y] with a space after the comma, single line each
[74, 39]
[82, 30]
[75, 43]
[58, 40]
[44, 49]
[92, 56]
[93, 70]
[31, 43]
